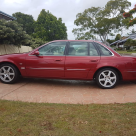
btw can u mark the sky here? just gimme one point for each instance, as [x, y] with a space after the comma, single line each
[65, 9]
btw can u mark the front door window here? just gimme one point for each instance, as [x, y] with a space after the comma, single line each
[53, 49]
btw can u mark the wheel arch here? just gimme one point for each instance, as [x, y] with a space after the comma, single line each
[6, 62]
[119, 73]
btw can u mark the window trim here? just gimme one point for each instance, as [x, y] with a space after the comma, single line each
[104, 47]
[73, 55]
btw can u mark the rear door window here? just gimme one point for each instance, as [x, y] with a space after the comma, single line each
[104, 51]
[92, 50]
[78, 49]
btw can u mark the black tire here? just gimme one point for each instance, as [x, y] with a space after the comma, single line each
[107, 79]
[13, 70]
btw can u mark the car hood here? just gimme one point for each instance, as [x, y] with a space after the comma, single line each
[13, 57]
[14, 54]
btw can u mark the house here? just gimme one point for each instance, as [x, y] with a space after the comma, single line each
[6, 16]
[124, 37]
[120, 43]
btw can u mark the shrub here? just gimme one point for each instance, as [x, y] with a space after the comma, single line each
[12, 33]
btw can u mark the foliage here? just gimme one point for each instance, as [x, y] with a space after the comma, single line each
[130, 17]
[132, 32]
[130, 43]
[48, 27]
[118, 49]
[36, 42]
[110, 41]
[27, 22]
[100, 21]
[118, 37]
[128, 52]
[132, 22]
[12, 33]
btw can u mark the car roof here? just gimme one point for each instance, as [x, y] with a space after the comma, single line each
[75, 40]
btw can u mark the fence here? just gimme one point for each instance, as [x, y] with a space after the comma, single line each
[9, 49]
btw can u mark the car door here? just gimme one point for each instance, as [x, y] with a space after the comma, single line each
[81, 58]
[49, 63]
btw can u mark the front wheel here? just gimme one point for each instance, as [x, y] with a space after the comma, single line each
[107, 78]
[8, 73]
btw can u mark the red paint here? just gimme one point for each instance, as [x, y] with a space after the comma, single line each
[84, 65]
[70, 67]
[35, 66]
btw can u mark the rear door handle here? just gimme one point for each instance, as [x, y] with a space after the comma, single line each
[93, 60]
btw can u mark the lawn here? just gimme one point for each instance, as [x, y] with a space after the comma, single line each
[125, 52]
[42, 119]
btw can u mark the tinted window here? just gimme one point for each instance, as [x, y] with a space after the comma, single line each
[92, 50]
[104, 51]
[78, 49]
[53, 49]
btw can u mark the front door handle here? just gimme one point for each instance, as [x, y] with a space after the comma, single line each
[58, 60]
[93, 60]
[40, 56]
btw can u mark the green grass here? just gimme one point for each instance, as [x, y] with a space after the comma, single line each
[39, 119]
[125, 52]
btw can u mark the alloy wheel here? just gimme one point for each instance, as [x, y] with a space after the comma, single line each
[7, 74]
[107, 78]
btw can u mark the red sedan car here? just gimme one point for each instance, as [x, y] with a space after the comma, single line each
[70, 59]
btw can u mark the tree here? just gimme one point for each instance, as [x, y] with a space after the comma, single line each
[48, 27]
[36, 42]
[26, 21]
[100, 21]
[116, 8]
[12, 33]
[118, 37]
[110, 41]
[129, 14]
[133, 31]
[130, 43]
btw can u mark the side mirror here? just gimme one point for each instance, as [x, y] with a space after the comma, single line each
[36, 53]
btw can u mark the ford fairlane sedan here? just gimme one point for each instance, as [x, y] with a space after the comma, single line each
[70, 59]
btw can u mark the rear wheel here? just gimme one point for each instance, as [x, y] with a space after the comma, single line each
[8, 73]
[107, 78]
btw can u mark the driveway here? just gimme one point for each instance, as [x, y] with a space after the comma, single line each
[67, 91]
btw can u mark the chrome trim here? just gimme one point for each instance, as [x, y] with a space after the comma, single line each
[117, 52]
[22, 67]
[49, 68]
[49, 55]
[76, 69]
[81, 56]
